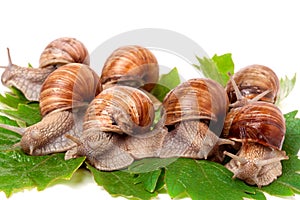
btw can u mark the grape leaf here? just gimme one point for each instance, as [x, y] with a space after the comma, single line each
[30, 114]
[217, 67]
[20, 171]
[13, 98]
[204, 180]
[166, 83]
[122, 183]
[286, 86]
[149, 179]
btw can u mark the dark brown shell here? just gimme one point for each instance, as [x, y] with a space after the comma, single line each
[131, 64]
[259, 122]
[196, 99]
[69, 86]
[131, 101]
[63, 51]
[253, 80]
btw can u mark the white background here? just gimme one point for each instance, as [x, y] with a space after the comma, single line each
[253, 31]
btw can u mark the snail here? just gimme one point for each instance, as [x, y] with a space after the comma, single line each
[255, 82]
[131, 65]
[260, 128]
[117, 113]
[194, 113]
[64, 97]
[57, 53]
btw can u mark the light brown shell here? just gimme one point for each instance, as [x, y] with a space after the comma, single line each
[131, 65]
[131, 101]
[69, 86]
[199, 98]
[259, 122]
[252, 81]
[62, 51]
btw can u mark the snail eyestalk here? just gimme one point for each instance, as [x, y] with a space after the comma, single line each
[235, 157]
[9, 60]
[15, 129]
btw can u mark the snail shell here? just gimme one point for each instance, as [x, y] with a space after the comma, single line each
[260, 127]
[64, 98]
[252, 81]
[73, 85]
[62, 51]
[59, 52]
[131, 65]
[194, 113]
[111, 107]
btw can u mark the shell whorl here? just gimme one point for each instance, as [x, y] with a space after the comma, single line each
[62, 51]
[69, 86]
[137, 106]
[199, 98]
[131, 64]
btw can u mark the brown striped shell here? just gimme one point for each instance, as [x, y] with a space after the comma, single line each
[69, 86]
[198, 98]
[131, 65]
[259, 122]
[62, 51]
[132, 105]
[252, 81]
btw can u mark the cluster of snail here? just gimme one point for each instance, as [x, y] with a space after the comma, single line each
[110, 119]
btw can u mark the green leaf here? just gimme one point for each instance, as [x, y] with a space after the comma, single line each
[204, 180]
[149, 180]
[19, 171]
[292, 137]
[121, 183]
[166, 83]
[13, 98]
[217, 67]
[150, 164]
[30, 114]
[286, 86]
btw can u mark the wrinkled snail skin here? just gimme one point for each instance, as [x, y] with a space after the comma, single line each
[131, 65]
[31, 85]
[257, 164]
[65, 95]
[252, 81]
[57, 53]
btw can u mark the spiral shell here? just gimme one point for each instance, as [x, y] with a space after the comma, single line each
[62, 51]
[131, 65]
[196, 99]
[252, 81]
[69, 86]
[131, 101]
[259, 122]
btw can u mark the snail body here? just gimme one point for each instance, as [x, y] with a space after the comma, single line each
[57, 53]
[64, 97]
[260, 128]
